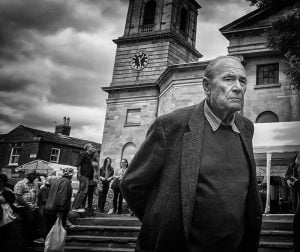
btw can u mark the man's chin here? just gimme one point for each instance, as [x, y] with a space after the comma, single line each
[235, 107]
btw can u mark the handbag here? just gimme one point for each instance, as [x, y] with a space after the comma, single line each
[55, 240]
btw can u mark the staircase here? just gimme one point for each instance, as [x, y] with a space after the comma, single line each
[277, 233]
[109, 234]
[119, 234]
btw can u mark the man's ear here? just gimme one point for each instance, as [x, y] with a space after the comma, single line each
[206, 85]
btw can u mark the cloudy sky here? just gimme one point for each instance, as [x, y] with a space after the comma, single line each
[55, 55]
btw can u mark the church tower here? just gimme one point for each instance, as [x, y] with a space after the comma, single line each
[158, 34]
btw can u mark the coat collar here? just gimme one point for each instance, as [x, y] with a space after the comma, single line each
[191, 160]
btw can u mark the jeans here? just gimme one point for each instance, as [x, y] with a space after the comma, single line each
[118, 203]
[90, 196]
[102, 196]
[82, 192]
[33, 223]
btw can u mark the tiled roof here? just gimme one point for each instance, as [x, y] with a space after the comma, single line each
[59, 138]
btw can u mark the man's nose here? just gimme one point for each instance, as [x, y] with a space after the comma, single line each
[237, 86]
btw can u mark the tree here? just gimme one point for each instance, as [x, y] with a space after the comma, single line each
[284, 37]
[263, 3]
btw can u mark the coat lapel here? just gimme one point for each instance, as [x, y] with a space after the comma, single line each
[247, 143]
[190, 164]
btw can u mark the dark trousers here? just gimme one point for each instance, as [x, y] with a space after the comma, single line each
[297, 231]
[51, 219]
[33, 223]
[90, 196]
[12, 236]
[118, 204]
[102, 196]
[82, 192]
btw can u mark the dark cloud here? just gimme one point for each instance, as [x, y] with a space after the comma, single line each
[9, 84]
[55, 55]
[222, 12]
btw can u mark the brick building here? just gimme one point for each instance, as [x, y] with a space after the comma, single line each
[157, 70]
[24, 144]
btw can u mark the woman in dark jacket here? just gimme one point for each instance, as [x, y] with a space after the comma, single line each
[106, 175]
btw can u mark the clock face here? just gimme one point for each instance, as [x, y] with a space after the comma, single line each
[139, 61]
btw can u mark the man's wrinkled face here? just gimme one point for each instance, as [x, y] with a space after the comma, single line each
[227, 86]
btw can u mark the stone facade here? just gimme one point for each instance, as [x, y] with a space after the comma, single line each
[173, 77]
[135, 93]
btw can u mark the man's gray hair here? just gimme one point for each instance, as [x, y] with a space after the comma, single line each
[209, 71]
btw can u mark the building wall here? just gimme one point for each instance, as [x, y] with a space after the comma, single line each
[181, 89]
[68, 154]
[117, 134]
[278, 99]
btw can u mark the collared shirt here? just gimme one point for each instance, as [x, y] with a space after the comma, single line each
[28, 191]
[215, 121]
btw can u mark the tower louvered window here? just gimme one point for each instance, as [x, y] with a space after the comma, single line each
[149, 12]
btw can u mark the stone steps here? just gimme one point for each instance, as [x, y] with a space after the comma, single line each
[105, 233]
[101, 241]
[115, 231]
[277, 233]
[275, 247]
[109, 221]
[96, 249]
[119, 233]
[276, 236]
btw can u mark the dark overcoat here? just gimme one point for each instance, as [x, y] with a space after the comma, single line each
[160, 183]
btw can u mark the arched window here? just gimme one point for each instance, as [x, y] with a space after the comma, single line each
[267, 117]
[149, 12]
[183, 19]
[128, 151]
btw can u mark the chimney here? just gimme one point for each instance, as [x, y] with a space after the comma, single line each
[64, 128]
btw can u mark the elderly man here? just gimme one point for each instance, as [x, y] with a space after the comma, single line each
[85, 173]
[59, 199]
[192, 183]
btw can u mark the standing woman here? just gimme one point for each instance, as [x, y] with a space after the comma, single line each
[118, 204]
[106, 175]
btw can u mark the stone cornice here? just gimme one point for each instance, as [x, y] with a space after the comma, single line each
[158, 35]
[249, 30]
[130, 87]
[180, 67]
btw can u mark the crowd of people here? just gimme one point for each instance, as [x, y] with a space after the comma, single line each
[30, 208]
[98, 180]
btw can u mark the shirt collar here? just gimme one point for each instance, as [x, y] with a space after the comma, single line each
[215, 121]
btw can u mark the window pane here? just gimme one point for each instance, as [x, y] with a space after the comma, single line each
[267, 74]
[15, 159]
[133, 116]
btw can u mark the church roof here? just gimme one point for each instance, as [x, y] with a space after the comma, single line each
[196, 2]
[53, 137]
[256, 20]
